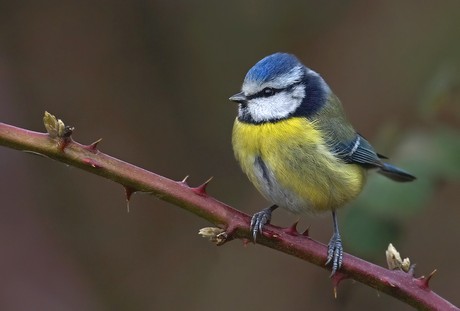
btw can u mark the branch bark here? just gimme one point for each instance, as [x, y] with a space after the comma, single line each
[401, 285]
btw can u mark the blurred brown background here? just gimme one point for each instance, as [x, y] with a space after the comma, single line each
[152, 78]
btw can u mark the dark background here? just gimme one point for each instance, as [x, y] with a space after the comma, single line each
[152, 78]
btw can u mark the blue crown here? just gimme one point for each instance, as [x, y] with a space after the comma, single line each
[271, 67]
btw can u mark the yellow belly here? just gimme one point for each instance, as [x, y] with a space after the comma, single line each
[291, 166]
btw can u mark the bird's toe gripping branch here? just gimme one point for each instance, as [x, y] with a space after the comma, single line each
[259, 220]
[335, 253]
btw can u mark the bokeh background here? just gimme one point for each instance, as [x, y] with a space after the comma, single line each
[152, 78]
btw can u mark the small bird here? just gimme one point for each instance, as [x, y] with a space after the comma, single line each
[293, 141]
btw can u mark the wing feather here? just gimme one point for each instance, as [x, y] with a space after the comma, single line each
[357, 151]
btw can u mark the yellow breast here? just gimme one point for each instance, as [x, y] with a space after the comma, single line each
[291, 166]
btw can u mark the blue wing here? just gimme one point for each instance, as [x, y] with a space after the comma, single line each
[357, 151]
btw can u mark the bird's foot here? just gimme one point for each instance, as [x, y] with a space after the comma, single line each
[259, 220]
[335, 253]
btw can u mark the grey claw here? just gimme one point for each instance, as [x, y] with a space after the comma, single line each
[261, 225]
[258, 221]
[335, 253]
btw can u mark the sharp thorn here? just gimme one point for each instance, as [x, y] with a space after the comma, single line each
[184, 181]
[128, 192]
[292, 230]
[337, 278]
[201, 189]
[425, 281]
[205, 184]
[93, 146]
[306, 232]
[431, 275]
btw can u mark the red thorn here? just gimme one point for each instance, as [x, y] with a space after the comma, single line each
[201, 189]
[428, 279]
[306, 232]
[246, 242]
[93, 146]
[128, 192]
[91, 162]
[292, 230]
[337, 278]
[425, 281]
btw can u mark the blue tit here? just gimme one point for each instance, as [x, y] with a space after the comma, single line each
[293, 141]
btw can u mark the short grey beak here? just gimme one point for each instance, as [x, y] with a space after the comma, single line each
[239, 98]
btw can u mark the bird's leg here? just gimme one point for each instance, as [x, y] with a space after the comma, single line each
[260, 219]
[335, 249]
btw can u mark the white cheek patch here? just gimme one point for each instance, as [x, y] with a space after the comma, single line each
[298, 92]
[276, 107]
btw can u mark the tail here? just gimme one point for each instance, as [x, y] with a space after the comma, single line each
[395, 173]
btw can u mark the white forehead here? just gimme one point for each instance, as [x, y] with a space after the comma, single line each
[279, 82]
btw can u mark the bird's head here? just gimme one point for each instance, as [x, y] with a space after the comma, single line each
[280, 87]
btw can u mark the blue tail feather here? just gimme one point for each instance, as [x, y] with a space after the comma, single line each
[395, 173]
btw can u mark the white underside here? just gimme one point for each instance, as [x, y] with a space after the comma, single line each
[279, 195]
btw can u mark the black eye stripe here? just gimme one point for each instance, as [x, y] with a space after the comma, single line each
[264, 93]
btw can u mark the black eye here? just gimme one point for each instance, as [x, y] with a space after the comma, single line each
[268, 91]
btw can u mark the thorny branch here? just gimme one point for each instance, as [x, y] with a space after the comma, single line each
[58, 144]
